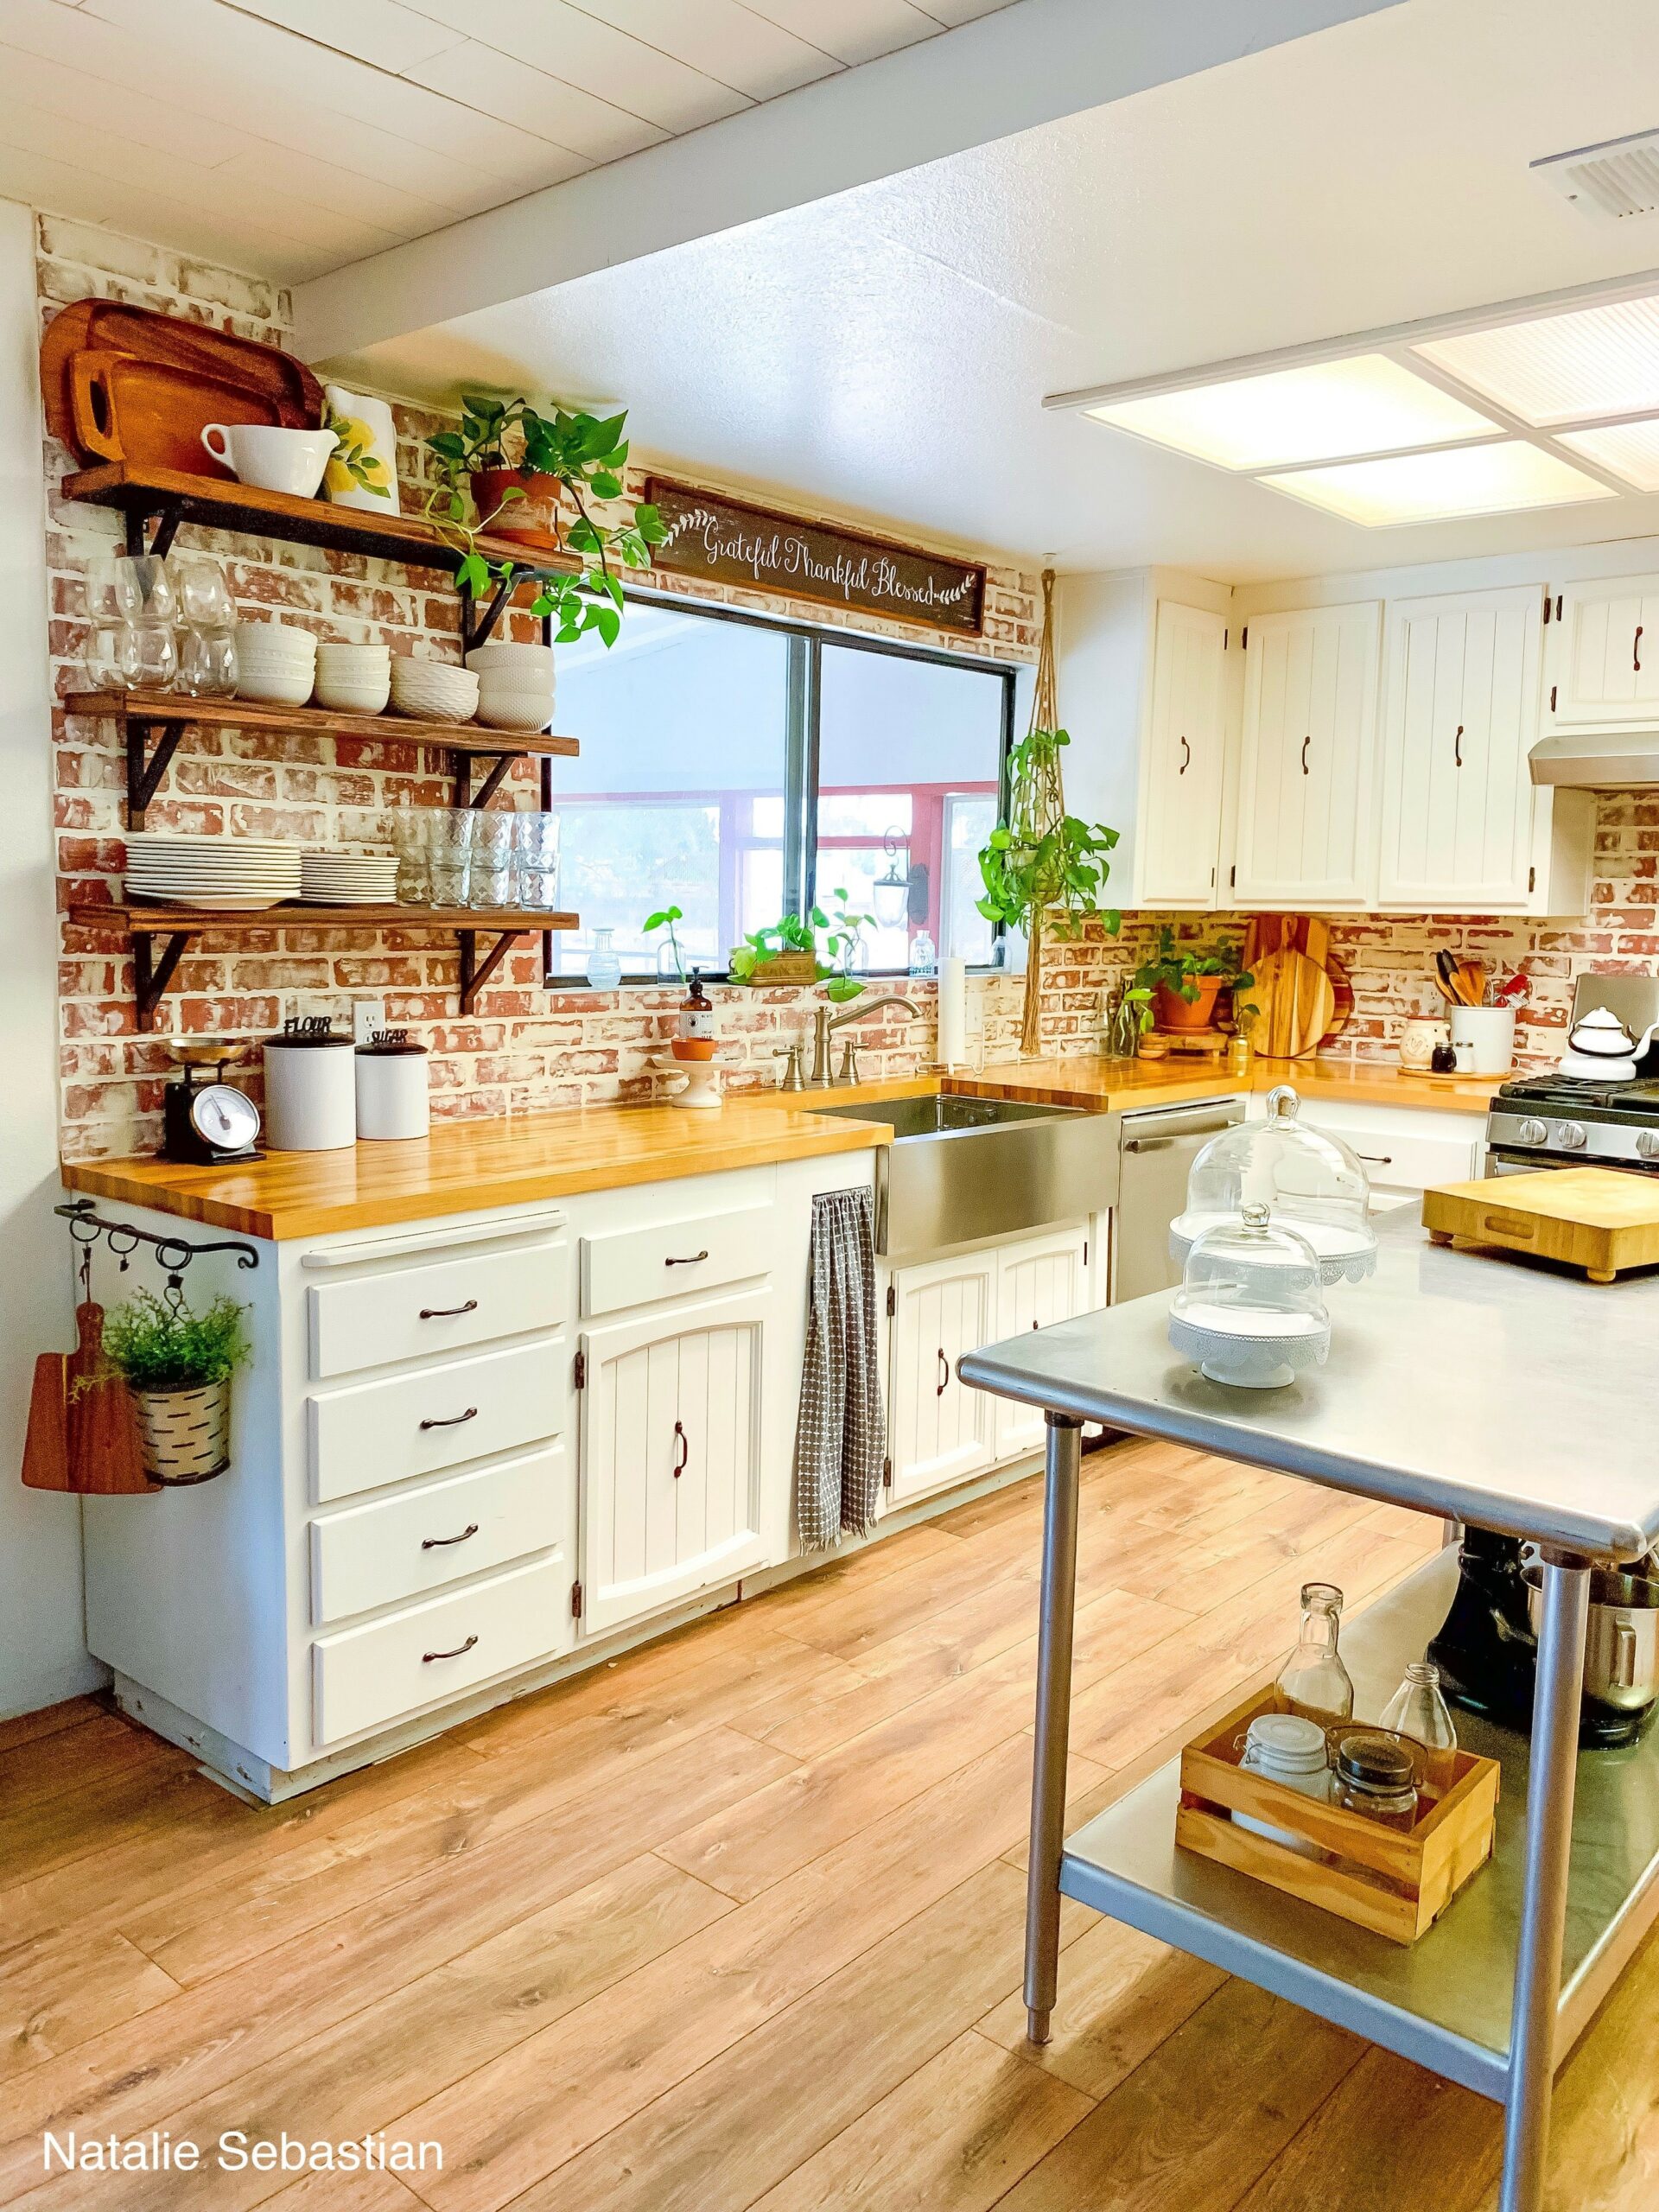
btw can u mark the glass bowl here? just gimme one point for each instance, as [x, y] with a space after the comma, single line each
[1250, 1309]
[1309, 1179]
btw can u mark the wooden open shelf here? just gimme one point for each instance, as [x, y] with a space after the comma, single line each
[153, 971]
[169, 714]
[170, 497]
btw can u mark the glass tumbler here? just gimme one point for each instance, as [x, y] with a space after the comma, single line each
[411, 838]
[204, 595]
[145, 584]
[490, 882]
[536, 861]
[113, 593]
[450, 854]
[151, 651]
[207, 667]
[107, 656]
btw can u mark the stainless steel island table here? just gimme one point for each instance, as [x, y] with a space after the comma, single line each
[1488, 1391]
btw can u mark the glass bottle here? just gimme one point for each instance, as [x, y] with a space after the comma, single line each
[694, 1037]
[1314, 1680]
[923, 956]
[1418, 1710]
[604, 968]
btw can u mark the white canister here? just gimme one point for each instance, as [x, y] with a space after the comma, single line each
[1483, 1037]
[310, 1091]
[1290, 1749]
[391, 1087]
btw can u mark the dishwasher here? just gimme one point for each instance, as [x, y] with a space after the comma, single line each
[1157, 1146]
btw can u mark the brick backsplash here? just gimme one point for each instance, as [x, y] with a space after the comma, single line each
[527, 1048]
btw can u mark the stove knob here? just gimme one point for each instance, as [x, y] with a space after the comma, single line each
[1647, 1144]
[1570, 1136]
[1531, 1132]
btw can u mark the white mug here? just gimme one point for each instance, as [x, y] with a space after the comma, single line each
[272, 460]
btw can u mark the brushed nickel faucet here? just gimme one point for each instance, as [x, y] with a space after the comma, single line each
[823, 1023]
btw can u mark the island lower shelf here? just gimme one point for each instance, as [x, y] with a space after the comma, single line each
[1444, 2001]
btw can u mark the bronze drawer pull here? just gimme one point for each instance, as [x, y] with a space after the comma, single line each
[460, 1651]
[1457, 746]
[1307, 741]
[682, 1458]
[437, 1543]
[453, 1420]
[1186, 757]
[1377, 1158]
[448, 1313]
[690, 1261]
[945, 1374]
[1636, 650]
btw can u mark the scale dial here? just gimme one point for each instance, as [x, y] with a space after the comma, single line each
[224, 1117]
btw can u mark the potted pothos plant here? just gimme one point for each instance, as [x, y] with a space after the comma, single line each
[535, 479]
[178, 1365]
[1044, 869]
[820, 948]
[1185, 980]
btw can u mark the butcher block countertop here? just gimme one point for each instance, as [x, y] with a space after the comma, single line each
[467, 1167]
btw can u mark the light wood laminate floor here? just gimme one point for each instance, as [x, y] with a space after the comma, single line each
[736, 1921]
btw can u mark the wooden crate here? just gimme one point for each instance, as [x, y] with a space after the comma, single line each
[1210, 1042]
[1596, 1219]
[1420, 1871]
[782, 968]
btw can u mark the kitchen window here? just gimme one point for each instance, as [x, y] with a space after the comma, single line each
[738, 768]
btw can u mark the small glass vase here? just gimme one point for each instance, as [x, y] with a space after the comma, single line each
[604, 969]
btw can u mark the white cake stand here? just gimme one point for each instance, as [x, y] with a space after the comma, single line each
[701, 1080]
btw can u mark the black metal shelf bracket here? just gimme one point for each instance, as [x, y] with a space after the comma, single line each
[152, 972]
[475, 972]
[167, 517]
[476, 627]
[146, 768]
[502, 761]
[86, 1225]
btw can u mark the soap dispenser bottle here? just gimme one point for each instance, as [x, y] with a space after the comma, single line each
[694, 1035]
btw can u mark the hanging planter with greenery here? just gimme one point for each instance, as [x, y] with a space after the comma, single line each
[178, 1365]
[1044, 869]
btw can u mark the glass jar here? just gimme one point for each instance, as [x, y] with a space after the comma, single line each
[1417, 1709]
[604, 969]
[1311, 1180]
[1313, 1680]
[1251, 1311]
[1289, 1749]
[1377, 1778]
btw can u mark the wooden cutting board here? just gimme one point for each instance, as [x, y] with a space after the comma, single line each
[153, 413]
[83, 1427]
[1590, 1217]
[1294, 1001]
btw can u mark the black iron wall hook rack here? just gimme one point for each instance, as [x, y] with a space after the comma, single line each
[174, 1253]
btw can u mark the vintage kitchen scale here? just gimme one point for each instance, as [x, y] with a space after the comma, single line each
[206, 1122]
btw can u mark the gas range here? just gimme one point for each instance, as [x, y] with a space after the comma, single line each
[1554, 1121]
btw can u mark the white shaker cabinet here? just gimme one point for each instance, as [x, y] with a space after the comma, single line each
[1306, 833]
[1185, 758]
[1603, 657]
[939, 1430]
[1042, 1281]
[670, 1455]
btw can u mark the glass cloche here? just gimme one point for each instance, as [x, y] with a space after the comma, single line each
[1309, 1179]
[1250, 1309]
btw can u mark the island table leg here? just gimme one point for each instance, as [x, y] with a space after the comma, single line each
[1551, 1777]
[1063, 1465]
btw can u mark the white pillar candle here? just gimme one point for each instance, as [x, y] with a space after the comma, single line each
[953, 1012]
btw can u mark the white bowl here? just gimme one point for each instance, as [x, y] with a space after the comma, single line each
[273, 687]
[524, 661]
[347, 695]
[514, 710]
[433, 691]
[369, 655]
[276, 640]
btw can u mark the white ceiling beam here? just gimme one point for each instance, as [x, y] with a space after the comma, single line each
[1027, 65]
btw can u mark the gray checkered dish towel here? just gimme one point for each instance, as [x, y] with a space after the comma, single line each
[841, 1434]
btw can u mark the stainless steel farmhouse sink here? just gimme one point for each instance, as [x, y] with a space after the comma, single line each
[960, 1169]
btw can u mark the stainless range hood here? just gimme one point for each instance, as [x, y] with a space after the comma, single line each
[1597, 760]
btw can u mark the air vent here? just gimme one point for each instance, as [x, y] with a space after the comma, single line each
[1611, 182]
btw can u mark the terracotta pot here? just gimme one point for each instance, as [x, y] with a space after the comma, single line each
[186, 1434]
[1176, 1013]
[693, 1048]
[534, 520]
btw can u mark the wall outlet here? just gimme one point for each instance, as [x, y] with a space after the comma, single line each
[367, 1016]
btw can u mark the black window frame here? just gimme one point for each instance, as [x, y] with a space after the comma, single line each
[802, 706]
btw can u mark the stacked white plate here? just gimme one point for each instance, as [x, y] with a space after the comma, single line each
[226, 876]
[348, 878]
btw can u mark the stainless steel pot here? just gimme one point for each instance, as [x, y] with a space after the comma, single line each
[1621, 1654]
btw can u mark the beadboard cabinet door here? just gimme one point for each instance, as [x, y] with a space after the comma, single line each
[1458, 801]
[1605, 658]
[1184, 774]
[1306, 831]
[671, 1456]
[939, 1430]
[1044, 1280]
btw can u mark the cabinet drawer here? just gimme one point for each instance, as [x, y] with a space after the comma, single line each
[439, 1415]
[364, 1677]
[1411, 1163]
[421, 1312]
[632, 1266]
[403, 1546]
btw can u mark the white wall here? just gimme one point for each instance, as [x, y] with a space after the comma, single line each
[42, 1647]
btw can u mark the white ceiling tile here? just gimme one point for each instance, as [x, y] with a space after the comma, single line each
[94, 103]
[559, 38]
[281, 171]
[951, 12]
[383, 32]
[851, 30]
[500, 85]
[728, 41]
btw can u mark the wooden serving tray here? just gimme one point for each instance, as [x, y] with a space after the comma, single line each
[1591, 1217]
[123, 408]
[1395, 1883]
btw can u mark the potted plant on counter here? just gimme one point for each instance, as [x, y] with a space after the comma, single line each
[532, 478]
[1185, 980]
[789, 952]
[178, 1365]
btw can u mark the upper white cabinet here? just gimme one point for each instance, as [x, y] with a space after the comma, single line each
[1145, 694]
[1604, 661]
[1305, 835]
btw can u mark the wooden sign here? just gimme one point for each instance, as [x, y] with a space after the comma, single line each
[730, 542]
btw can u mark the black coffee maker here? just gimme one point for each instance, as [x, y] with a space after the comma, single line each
[1487, 1647]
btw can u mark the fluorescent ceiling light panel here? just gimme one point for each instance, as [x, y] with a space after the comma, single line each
[1628, 450]
[1562, 368]
[1485, 480]
[1319, 411]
